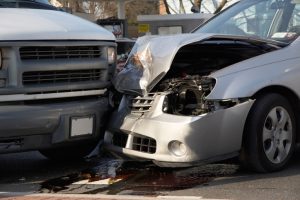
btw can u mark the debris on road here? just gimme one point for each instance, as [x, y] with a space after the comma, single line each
[135, 178]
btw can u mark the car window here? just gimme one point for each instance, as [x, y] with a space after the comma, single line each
[253, 20]
[295, 19]
[265, 19]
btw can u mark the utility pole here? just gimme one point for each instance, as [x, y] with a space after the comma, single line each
[121, 9]
[198, 4]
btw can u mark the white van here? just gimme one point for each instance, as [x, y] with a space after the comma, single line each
[55, 69]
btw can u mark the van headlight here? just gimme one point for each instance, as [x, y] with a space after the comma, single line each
[111, 55]
[0, 59]
[2, 81]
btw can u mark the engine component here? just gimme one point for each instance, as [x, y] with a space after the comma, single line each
[185, 97]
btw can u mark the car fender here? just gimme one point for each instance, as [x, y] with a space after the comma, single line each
[246, 83]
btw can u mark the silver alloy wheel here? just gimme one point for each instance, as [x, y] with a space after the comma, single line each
[277, 135]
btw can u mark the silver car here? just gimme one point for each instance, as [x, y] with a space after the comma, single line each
[230, 88]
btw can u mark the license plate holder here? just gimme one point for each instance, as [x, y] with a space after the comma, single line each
[82, 126]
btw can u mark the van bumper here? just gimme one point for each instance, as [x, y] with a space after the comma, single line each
[35, 127]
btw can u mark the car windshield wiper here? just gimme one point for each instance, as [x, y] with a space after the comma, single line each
[278, 43]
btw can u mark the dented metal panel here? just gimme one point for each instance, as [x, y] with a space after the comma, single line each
[155, 55]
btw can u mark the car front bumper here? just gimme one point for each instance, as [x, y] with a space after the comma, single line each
[205, 138]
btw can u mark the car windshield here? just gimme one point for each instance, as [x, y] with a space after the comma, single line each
[36, 4]
[277, 20]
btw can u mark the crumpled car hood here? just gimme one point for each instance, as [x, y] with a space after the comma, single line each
[156, 54]
[36, 24]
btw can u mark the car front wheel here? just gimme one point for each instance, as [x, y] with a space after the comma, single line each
[269, 139]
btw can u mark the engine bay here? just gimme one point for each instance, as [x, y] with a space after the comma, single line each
[187, 82]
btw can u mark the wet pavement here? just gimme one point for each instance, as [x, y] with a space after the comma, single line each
[113, 177]
[30, 172]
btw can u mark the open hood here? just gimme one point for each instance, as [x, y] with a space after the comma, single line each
[37, 24]
[149, 60]
[152, 57]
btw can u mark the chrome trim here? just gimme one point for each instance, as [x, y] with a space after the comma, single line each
[26, 97]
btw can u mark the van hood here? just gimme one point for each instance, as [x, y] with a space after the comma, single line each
[36, 24]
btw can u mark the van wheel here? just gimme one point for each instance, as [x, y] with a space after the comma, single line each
[269, 139]
[68, 153]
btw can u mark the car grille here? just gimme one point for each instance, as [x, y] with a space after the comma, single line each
[39, 53]
[120, 139]
[142, 104]
[63, 76]
[144, 144]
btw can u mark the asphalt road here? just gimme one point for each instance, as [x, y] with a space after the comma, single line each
[31, 172]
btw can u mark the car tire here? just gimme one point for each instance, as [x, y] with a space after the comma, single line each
[77, 152]
[269, 135]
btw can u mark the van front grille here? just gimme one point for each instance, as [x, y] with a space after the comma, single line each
[60, 52]
[60, 76]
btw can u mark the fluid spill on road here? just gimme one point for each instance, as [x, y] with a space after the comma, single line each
[135, 178]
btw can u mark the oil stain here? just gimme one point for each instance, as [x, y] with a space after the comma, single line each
[136, 178]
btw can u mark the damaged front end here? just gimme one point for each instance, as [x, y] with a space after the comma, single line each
[166, 114]
[187, 96]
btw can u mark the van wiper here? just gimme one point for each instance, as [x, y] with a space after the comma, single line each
[35, 4]
[14, 1]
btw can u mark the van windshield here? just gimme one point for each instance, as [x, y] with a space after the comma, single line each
[276, 20]
[35, 4]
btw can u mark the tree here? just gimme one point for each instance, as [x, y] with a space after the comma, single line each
[181, 7]
[208, 6]
[108, 8]
[198, 4]
[167, 7]
[220, 6]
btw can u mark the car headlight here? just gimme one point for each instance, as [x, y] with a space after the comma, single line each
[111, 55]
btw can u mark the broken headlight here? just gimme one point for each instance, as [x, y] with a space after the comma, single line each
[186, 101]
[214, 105]
[207, 85]
[186, 96]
